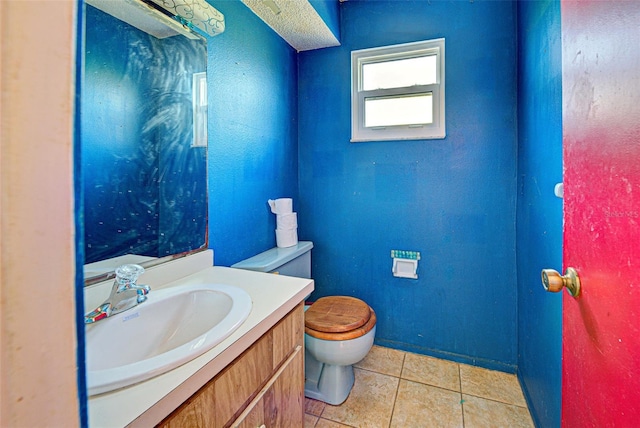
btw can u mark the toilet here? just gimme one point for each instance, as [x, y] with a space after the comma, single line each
[339, 330]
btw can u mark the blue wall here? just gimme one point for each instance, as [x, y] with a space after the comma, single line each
[253, 147]
[453, 200]
[539, 214]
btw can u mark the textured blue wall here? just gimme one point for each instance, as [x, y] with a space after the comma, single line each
[453, 200]
[539, 213]
[253, 154]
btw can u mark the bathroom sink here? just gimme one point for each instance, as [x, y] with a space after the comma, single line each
[174, 326]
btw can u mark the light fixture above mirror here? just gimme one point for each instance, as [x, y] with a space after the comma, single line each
[162, 18]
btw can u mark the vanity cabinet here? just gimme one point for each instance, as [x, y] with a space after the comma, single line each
[263, 386]
[279, 403]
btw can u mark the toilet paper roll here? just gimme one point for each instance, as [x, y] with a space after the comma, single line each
[281, 206]
[287, 221]
[286, 237]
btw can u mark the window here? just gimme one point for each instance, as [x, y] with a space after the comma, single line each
[199, 87]
[397, 92]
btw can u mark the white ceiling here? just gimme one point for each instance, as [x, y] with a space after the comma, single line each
[296, 21]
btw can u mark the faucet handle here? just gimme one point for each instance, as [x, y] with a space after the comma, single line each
[128, 274]
[98, 313]
[142, 291]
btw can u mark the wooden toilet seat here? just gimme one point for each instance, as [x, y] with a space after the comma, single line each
[339, 318]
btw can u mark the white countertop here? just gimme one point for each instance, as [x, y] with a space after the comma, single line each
[147, 403]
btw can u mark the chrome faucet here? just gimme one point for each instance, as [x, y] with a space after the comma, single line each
[125, 294]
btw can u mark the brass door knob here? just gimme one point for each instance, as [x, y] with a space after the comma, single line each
[554, 282]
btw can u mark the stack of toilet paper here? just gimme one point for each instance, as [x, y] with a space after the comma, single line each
[286, 222]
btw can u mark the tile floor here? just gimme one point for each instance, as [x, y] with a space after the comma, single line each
[400, 389]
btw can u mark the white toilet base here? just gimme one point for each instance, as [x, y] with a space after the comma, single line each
[326, 382]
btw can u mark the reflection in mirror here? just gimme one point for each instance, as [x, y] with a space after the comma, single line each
[143, 145]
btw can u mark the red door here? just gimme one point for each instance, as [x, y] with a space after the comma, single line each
[601, 139]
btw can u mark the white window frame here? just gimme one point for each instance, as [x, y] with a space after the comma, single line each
[434, 130]
[199, 98]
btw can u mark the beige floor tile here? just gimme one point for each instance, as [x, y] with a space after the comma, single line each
[432, 371]
[420, 405]
[310, 420]
[383, 360]
[482, 413]
[491, 384]
[313, 407]
[370, 402]
[325, 423]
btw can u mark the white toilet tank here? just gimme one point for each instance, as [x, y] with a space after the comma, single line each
[291, 261]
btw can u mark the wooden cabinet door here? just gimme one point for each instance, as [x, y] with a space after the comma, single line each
[254, 415]
[286, 408]
[281, 402]
[288, 334]
[238, 382]
[197, 412]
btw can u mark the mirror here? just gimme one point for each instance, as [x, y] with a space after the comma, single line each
[143, 144]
